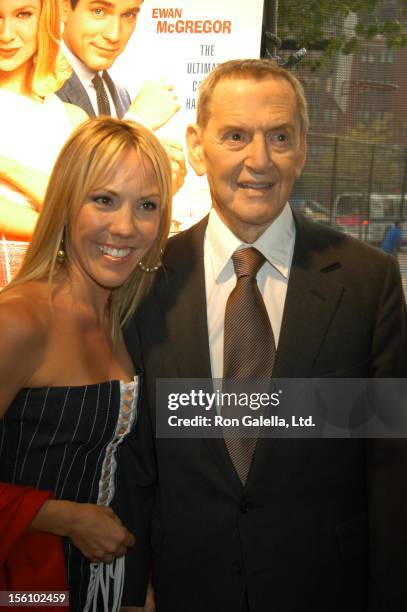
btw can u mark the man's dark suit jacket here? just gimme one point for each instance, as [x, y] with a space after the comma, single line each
[74, 92]
[321, 525]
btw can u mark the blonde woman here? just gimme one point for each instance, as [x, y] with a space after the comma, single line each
[69, 389]
[34, 123]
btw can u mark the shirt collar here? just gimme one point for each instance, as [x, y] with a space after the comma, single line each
[276, 243]
[84, 73]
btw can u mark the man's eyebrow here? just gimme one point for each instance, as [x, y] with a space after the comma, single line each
[249, 127]
[231, 126]
[101, 3]
[283, 126]
[109, 4]
[235, 125]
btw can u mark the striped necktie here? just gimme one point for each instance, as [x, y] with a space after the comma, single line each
[249, 346]
[101, 95]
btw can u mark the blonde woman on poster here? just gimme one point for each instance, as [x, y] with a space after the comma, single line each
[34, 123]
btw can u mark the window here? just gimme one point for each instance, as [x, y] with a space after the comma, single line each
[386, 56]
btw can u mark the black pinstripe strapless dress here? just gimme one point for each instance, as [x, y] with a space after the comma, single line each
[65, 439]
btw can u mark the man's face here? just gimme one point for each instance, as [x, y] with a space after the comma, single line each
[252, 151]
[97, 31]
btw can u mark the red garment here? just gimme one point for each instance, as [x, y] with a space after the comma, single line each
[28, 561]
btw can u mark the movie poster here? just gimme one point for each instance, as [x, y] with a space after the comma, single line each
[178, 41]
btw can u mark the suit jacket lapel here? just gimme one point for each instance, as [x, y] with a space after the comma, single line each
[119, 106]
[311, 301]
[181, 296]
[76, 94]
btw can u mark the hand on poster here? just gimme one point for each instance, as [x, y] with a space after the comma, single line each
[29, 182]
[155, 104]
[177, 159]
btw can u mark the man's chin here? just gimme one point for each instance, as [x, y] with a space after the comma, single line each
[98, 64]
[261, 215]
[249, 227]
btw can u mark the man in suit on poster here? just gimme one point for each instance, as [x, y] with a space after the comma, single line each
[316, 524]
[94, 35]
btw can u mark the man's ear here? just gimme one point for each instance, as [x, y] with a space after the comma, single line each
[65, 6]
[303, 154]
[196, 157]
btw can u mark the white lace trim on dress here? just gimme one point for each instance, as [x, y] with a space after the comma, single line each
[102, 574]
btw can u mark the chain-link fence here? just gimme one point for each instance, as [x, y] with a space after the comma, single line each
[358, 187]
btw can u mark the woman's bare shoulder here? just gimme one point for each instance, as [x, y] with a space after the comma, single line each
[25, 306]
[24, 323]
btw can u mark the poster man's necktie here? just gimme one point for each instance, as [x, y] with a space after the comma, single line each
[101, 95]
[249, 346]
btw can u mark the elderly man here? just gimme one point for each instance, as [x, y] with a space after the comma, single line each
[277, 525]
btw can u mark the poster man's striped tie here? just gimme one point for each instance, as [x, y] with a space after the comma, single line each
[101, 95]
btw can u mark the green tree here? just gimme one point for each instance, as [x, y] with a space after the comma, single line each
[316, 23]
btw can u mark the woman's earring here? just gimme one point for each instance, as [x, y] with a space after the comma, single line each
[145, 268]
[61, 252]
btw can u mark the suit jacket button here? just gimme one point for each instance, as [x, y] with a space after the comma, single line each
[246, 507]
[237, 568]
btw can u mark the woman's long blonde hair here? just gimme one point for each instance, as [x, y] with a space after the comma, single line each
[50, 69]
[90, 156]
